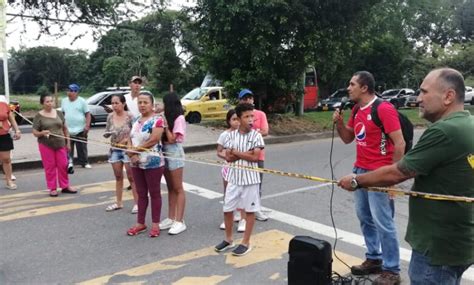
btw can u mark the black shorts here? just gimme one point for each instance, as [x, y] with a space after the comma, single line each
[6, 142]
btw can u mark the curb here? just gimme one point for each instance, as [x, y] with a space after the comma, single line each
[35, 164]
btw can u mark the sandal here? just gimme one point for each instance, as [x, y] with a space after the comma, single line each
[113, 207]
[11, 186]
[155, 232]
[135, 230]
[53, 193]
[68, 190]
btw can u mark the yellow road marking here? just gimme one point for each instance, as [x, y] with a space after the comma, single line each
[268, 245]
[85, 189]
[43, 211]
[150, 268]
[211, 280]
[265, 246]
[34, 201]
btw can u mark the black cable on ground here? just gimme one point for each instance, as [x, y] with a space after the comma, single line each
[331, 198]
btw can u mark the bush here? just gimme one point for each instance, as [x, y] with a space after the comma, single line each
[43, 90]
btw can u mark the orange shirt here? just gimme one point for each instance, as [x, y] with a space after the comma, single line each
[4, 123]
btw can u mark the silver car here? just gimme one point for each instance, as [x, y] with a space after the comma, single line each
[99, 104]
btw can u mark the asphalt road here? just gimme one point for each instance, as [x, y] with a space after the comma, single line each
[72, 239]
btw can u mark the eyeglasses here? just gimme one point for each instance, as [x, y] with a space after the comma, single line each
[245, 98]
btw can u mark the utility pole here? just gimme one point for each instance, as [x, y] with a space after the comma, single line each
[3, 46]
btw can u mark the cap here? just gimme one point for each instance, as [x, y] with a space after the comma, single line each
[136, 77]
[245, 92]
[74, 87]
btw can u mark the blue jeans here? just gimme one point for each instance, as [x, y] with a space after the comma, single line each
[375, 212]
[421, 272]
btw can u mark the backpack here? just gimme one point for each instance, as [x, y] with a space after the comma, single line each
[405, 125]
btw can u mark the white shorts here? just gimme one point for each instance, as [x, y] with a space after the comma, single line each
[244, 197]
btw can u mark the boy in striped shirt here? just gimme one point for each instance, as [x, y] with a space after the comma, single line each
[243, 147]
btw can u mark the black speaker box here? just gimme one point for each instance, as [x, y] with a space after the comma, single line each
[310, 261]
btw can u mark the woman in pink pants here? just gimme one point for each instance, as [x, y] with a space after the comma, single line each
[48, 125]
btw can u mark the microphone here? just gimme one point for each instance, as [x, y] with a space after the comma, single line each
[344, 101]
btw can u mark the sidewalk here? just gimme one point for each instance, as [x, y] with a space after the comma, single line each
[198, 138]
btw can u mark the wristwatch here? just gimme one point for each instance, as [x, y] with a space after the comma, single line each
[354, 183]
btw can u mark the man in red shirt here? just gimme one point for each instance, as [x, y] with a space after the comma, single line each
[260, 124]
[375, 210]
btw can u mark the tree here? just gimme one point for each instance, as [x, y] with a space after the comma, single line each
[266, 45]
[34, 67]
[98, 14]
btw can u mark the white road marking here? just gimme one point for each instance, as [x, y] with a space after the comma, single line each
[296, 191]
[311, 226]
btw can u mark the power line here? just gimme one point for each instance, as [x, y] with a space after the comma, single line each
[124, 27]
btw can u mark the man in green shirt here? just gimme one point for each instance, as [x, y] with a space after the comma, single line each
[441, 233]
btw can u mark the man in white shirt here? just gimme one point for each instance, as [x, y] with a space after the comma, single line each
[132, 97]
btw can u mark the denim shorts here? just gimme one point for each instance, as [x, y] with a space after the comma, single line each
[117, 155]
[171, 151]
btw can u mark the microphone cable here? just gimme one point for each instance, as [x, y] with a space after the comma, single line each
[332, 196]
[337, 278]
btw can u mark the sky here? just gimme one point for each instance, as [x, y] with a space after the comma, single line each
[24, 33]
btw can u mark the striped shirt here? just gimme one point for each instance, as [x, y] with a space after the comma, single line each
[243, 142]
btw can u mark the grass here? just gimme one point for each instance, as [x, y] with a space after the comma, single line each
[324, 119]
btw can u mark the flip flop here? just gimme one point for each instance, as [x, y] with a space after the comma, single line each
[113, 207]
[68, 190]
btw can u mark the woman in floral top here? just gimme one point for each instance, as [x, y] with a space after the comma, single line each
[119, 124]
[147, 166]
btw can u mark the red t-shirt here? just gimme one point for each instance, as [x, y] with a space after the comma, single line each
[368, 135]
[260, 122]
[4, 123]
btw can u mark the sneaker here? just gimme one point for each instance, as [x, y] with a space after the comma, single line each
[177, 228]
[387, 278]
[11, 186]
[70, 168]
[135, 209]
[222, 226]
[369, 266]
[88, 166]
[224, 245]
[166, 224]
[13, 177]
[260, 216]
[237, 216]
[241, 227]
[241, 250]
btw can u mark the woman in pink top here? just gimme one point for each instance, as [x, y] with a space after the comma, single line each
[173, 139]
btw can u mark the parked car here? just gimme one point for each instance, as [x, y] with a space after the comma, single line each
[469, 95]
[398, 97]
[334, 101]
[99, 104]
[412, 99]
[205, 103]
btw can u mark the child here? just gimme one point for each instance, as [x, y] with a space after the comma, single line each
[232, 124]
[243, 147]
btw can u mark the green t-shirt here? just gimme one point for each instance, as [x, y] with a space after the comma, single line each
[54, 125]
[443, 230]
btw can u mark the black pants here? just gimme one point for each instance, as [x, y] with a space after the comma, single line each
[81, 148]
